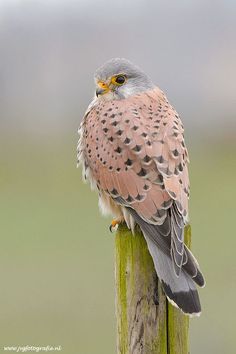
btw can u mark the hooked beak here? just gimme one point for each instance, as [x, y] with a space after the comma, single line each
[100, 91]
[103, 88]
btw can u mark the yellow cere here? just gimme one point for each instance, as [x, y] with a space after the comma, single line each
[103, 85]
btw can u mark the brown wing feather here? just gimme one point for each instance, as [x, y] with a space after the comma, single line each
[135, 151]
[136, 146]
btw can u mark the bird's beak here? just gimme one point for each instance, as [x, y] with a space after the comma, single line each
[102, 88]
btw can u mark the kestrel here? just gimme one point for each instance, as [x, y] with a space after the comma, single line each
[132, 150]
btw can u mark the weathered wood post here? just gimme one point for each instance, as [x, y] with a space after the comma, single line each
[146, 323]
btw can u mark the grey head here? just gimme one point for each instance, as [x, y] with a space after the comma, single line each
[118, 78]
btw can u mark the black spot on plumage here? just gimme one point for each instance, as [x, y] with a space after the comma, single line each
[137, 148]
[119, 132]
[144, 135]
[146, 187]
[129, 199]
[110, 139]
[186, 191]
[127, 121]
[147, 159]
[175, 134]
[166, 204]
[105, 130]
[127, 141]
[142, 173]
[105, 114]
[180, 181]
[114, 123]
[175, 152]
[110, 168]
[118, 150]
[129, 162]
[164, 123]
[114, 191]
[112, 115]
[135, 127]
[109, 110]
[118, 169]
[139, 197]
[160, 177]
[156, 126]
[180, 167]
[149, 143]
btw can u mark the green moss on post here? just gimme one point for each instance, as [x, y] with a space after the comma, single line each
[146, 323]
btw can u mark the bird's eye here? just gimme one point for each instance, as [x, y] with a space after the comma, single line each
[118, 80]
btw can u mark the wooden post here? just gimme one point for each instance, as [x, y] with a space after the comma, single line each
[146, 322]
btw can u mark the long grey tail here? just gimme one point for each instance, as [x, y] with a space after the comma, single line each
[179, 288]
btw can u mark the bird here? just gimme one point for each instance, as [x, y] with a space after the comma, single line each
[132, 151]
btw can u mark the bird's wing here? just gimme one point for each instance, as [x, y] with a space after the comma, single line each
[136, 152]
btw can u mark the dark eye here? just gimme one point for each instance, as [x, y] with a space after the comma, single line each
[120, 79]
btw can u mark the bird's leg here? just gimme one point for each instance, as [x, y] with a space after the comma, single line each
[114, 224]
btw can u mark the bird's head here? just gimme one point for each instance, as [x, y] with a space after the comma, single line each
[119, 78]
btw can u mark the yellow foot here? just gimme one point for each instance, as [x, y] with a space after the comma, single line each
[114, 224]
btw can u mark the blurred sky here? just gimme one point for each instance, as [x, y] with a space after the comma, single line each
[50, 49]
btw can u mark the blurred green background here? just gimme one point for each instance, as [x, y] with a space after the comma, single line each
[56, 253]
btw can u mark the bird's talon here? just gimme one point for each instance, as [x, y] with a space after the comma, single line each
[114, 225]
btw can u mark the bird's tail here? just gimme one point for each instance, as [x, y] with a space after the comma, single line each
[180, 290]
